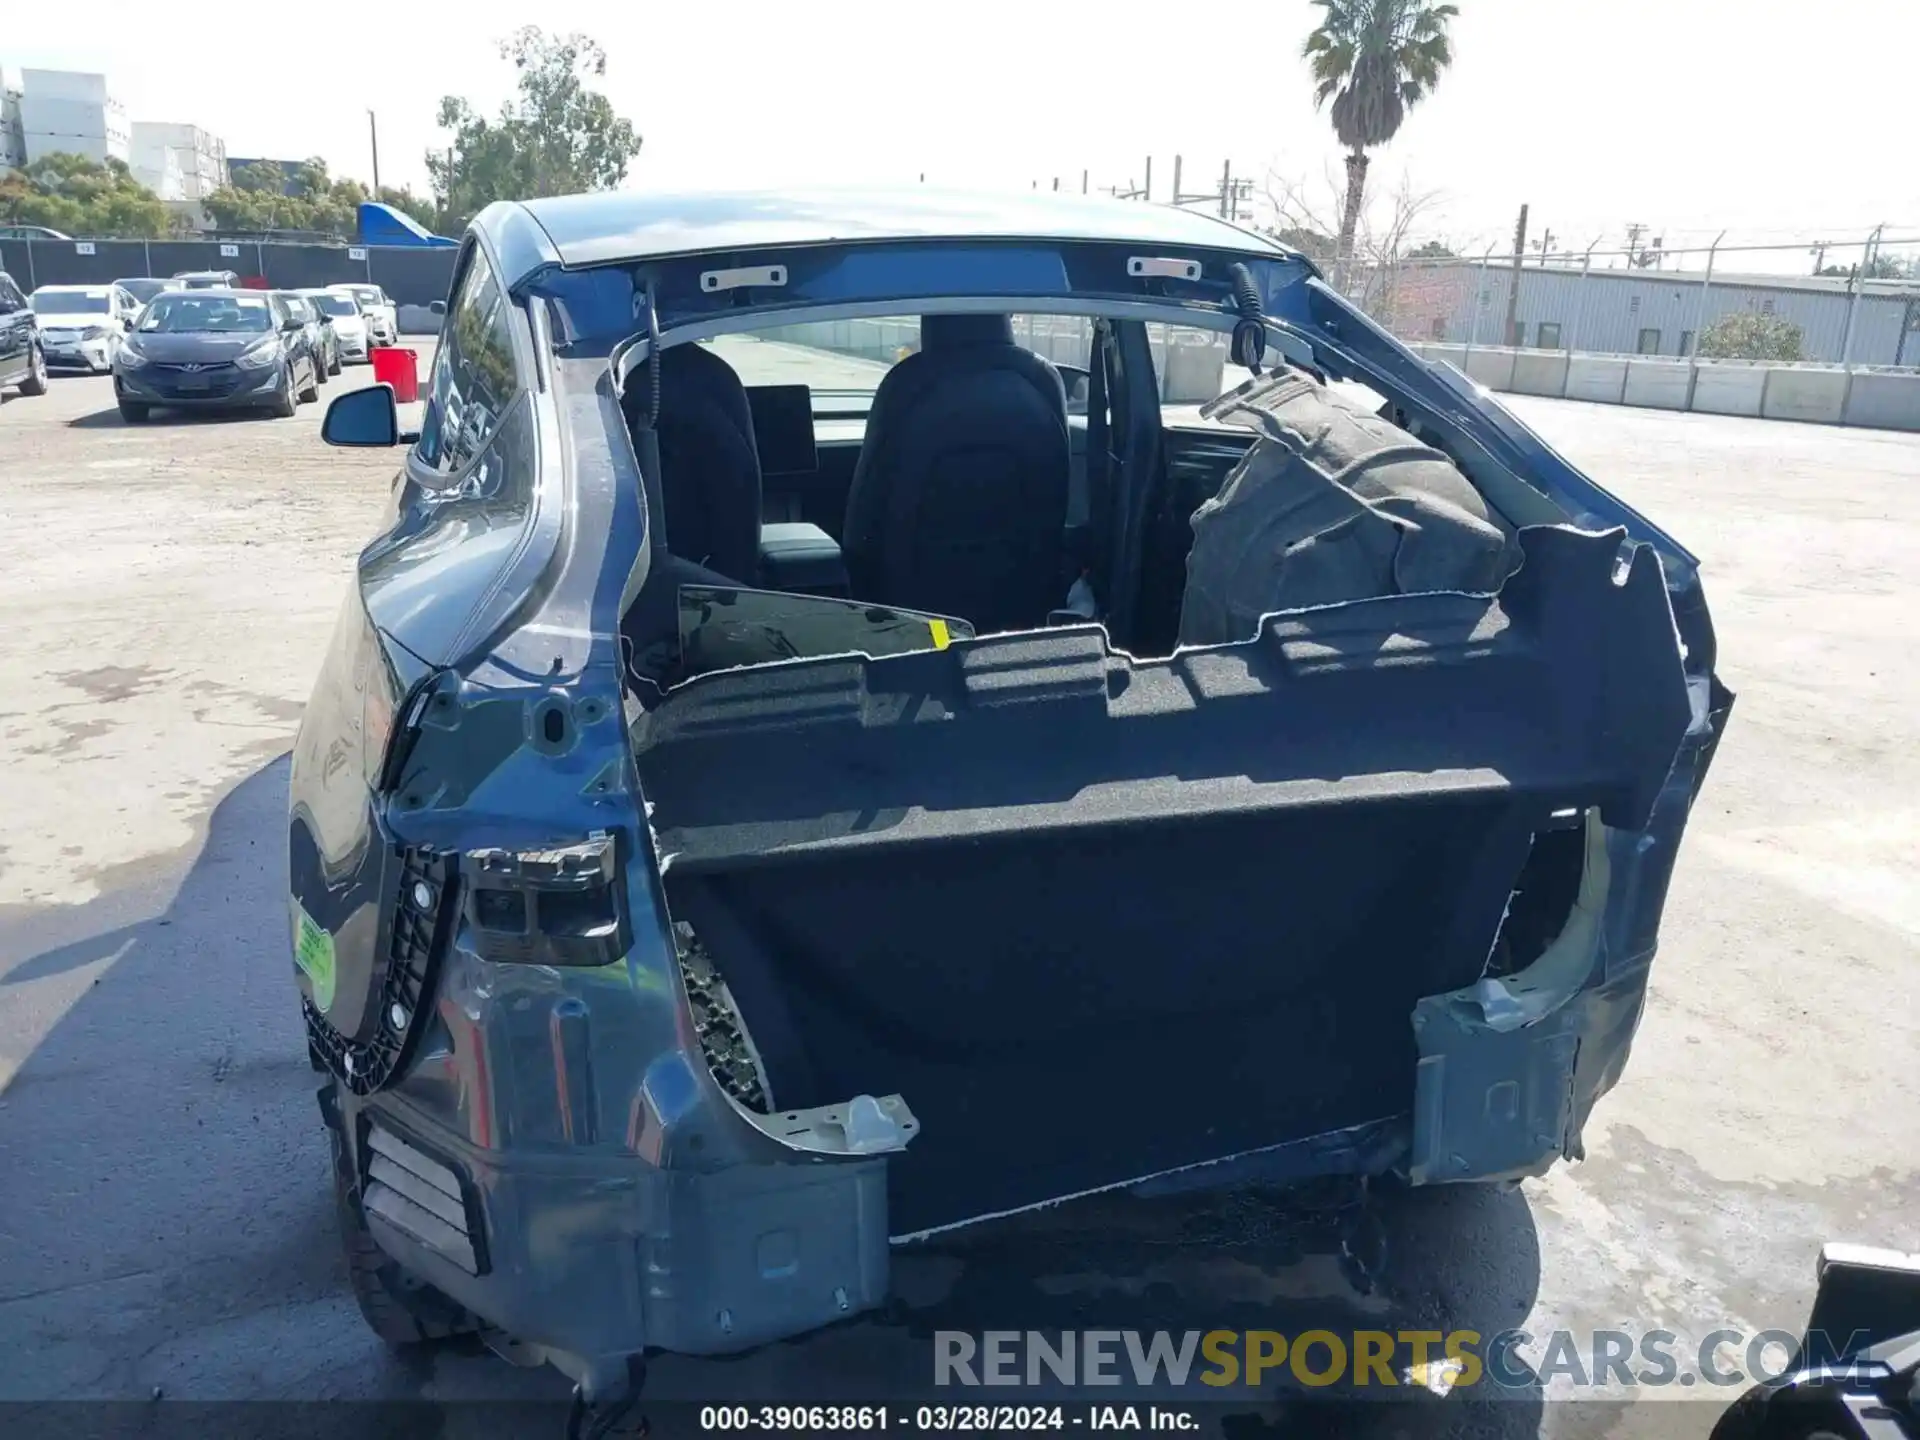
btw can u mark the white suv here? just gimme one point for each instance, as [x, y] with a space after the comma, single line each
[81, 326]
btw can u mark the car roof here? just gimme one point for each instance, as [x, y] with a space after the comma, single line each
[74, 289]
[635, 225]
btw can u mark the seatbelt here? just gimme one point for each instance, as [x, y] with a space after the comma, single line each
[1100, 463]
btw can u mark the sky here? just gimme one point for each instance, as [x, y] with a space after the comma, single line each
[1774, 121]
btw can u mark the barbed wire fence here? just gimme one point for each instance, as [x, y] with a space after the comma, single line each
[1820, 297]
[1670, 301]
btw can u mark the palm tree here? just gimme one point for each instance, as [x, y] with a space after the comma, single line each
[1376, 60]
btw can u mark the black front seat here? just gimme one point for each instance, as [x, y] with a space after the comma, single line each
[959, 498]
[709, 464]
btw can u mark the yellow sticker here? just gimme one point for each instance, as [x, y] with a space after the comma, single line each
[938, 628]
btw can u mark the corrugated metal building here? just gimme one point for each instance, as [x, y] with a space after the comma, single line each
[1639, 312]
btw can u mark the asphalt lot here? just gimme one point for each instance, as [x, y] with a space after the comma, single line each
[165, 1212]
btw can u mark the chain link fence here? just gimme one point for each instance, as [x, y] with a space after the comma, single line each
[1667, 303]
[410, 275]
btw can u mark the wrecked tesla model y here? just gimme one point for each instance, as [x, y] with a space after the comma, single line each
[874, 713]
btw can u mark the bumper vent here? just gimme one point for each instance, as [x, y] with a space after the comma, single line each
[422, 1198]
[417, 919]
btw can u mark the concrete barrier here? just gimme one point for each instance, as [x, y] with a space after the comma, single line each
[1540, 372]
[1886, 399]
[1728, 388]
[1816, 395]
[417, 320]
[1656, 384]
[1601, 378]
[1491, 368]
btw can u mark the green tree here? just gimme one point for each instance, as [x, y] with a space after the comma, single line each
[408, 203]
[265, 197]
[556, 137]
[1375, 60]
[1309, 242]
[1430, 250]
[1880, 267]
[1749, 335]
[82, 197]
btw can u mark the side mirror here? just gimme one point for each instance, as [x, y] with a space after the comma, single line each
[292, 323]
[438, 307]
[1079, 386]
[363, 418]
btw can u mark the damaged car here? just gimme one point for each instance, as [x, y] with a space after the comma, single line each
[870, 713]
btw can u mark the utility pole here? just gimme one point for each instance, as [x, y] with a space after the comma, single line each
[373, 134]
[1083, 182]
[1146, 191]
[1513, 288]
[1220, 198]
[1634, 233]
[1819, 256]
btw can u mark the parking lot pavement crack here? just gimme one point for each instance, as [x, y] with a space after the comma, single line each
[44, 1291]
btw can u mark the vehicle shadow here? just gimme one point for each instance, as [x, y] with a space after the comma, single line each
[169, 1217]
[112, 419]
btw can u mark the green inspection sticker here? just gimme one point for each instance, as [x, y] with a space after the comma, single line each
[313, 953]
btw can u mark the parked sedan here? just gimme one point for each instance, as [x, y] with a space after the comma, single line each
[319, 331]
[21, 360]
[209, 279]
[144, 287]
[215, 350]
[383, 316]
[352, 344]
[82, 326]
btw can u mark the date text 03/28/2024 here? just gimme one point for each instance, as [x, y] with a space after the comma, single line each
[883, 1419]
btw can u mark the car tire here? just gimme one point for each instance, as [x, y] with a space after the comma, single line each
[311, 390]
[400, 1308]
[333, 363]
[35, 380]
[285, 401]
[133, 412]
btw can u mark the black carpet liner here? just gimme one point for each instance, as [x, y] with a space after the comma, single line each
[1097, 918]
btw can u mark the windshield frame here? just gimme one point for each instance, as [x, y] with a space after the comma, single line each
[162, 307]
[95, 304]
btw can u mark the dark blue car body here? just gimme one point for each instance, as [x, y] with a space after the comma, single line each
[488, 824]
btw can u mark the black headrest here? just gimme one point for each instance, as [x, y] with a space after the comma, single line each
[960, 332]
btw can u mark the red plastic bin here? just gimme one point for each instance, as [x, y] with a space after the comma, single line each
[398, 366]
